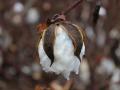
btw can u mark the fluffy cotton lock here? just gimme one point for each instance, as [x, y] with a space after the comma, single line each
[65, 60]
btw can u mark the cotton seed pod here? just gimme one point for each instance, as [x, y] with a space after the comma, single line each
[61, 48]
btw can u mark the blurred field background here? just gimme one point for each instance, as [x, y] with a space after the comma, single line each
[19, 61]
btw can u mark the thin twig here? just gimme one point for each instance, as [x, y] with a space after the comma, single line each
[72, 7]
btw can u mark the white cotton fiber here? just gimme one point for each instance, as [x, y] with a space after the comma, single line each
[82, 51]
[44, 60]
[65, 61]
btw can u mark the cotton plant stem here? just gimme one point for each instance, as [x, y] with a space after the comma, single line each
[72, 7]
[61, 16]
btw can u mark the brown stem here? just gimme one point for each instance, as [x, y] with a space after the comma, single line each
[72, 7]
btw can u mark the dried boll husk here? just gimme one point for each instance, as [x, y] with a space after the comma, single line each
[61, 48]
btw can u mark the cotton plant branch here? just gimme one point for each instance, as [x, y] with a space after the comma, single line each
[58, 17]
[74, 5]
[61, 16]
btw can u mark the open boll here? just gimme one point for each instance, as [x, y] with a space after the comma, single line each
[62, 48]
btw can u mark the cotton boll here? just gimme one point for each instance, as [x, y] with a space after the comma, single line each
[102, 11]
[26, 70]
[32, 16]
[114, 33]
[61, 42]
[17, 19]
[107, 67]
[18, 7]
